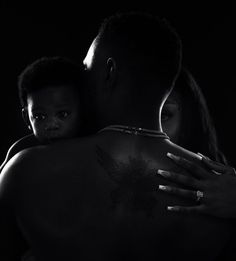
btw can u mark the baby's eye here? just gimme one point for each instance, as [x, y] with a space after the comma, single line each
[63, 114]
[39, 116]
[165, 116]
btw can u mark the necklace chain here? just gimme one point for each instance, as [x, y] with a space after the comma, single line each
[135, 131]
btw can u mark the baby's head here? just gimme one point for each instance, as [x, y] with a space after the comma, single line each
[49, 92]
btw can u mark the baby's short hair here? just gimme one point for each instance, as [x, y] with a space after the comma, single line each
[47, 71]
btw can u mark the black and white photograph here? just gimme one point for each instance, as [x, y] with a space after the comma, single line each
[117, 131]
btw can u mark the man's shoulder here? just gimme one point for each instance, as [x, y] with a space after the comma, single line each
[41, 152]
[12, 173]
[29, 166]
[21, 161]
[45, 157]
[22, 143]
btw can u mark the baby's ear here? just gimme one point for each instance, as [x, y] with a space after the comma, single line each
[25, 117]
[111, 71]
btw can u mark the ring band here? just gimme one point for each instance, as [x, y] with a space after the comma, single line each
[199, 195]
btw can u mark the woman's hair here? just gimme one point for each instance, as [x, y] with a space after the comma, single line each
[198, 132]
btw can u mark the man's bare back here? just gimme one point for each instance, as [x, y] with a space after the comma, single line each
[102, 202]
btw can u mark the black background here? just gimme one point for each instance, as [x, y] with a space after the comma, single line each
[33, 29]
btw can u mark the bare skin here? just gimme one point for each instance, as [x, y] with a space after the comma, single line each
[76, 203]
[21, 144]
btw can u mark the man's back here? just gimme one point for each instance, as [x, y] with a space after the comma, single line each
[102, 203]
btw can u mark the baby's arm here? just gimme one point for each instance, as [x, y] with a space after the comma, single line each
[21, 144]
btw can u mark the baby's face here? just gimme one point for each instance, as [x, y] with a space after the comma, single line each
[54, 113]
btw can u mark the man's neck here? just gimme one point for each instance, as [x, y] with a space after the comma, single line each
[139, 120]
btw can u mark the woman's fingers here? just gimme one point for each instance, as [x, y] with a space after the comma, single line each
[181, 179]
[197, 195]
[193, 209]
[193, 168]
[217, 167]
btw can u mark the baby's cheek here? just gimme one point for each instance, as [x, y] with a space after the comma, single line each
[39, 130]
[171, 128]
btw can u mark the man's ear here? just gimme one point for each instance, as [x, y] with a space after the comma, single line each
[111, 71]
[25, 117]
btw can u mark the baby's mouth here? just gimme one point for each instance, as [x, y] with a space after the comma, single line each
[52, 139]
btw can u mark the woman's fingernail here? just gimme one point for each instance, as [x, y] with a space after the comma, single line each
[172, 156]
[200, 156]
[164, 173]
[172, 208]
[216, 172]
[203, 156]
[165, 188]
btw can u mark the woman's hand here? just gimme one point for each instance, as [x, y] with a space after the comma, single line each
[213, 186]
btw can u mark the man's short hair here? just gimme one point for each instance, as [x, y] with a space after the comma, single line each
[147, 43]
[47, 71]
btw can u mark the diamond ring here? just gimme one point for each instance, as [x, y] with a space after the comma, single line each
[199, 195]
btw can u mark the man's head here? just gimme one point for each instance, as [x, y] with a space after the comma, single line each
[134, 56]
[49, 94]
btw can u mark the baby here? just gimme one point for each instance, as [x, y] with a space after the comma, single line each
[49, 90]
